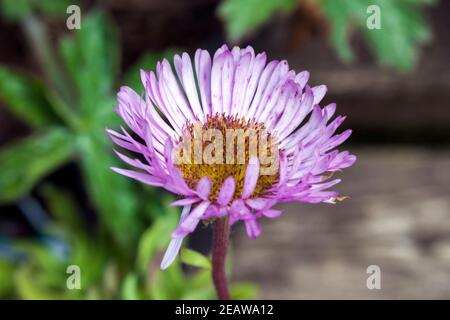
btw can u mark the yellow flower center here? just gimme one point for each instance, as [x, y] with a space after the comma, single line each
[221, 147]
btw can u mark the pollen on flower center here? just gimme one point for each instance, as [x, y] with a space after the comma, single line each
[221, 147]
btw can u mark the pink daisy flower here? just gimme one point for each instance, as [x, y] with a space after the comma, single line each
[233, 90]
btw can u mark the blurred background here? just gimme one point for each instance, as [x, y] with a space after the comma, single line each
[60, 205]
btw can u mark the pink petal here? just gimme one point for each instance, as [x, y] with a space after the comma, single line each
[258, 203]
[240, 82]
[184, 202]
[227, 83]
[227, 191]
[204, 187]
[239, 209]
[142, 177]
[175, 244]
[174, 91]
[255, 72]
[261, 86]
[251, 177]
[186, 75]
[253, 228]
[191, 222]
[302, 78]
[319, 93]
[272, 213]
[329, 110]
[216, 83]
[203, 71]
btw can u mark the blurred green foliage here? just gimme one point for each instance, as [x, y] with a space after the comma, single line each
[74, 129]
[68, 111]
[242, 17]
[196, 259]
[42, 272]
[17, 9]
[26, 162]
[396, 44]
[403, 29]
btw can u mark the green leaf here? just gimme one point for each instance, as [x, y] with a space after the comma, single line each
[62, 206]
[30, 288]
[40, 256]
[199, 286]
[338, 19]
[26, 98]
[243, 291]
[130, 287]
[195, 259]
[6, 278]
[43, 273]
[88, 251]
[243, 17]
[114, 196]
[161, 284]
[90, 255]
[158, 206]
[205, 293]
[155, 238]
[16, 9]
[403, 29]
[200, 279]
[24, 163]
[110, 283]
[167, 284]
[91, 56]
[52, 7]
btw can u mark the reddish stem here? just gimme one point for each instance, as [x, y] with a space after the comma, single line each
[220, 246]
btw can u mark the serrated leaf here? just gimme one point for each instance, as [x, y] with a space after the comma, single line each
[26, 98]
[91, 56]
[243, 17]
[24, 163]
[338, 20]
[195, 259]
[403, 29]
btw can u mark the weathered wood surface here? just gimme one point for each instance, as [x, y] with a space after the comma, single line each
[398, 217]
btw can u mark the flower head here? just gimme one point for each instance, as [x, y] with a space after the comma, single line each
[231, 136]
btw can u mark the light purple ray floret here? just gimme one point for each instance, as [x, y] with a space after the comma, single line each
[232, 82]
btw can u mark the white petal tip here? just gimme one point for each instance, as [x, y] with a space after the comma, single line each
[171, 253]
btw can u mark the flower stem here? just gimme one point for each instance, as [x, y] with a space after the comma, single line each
[220, 246]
